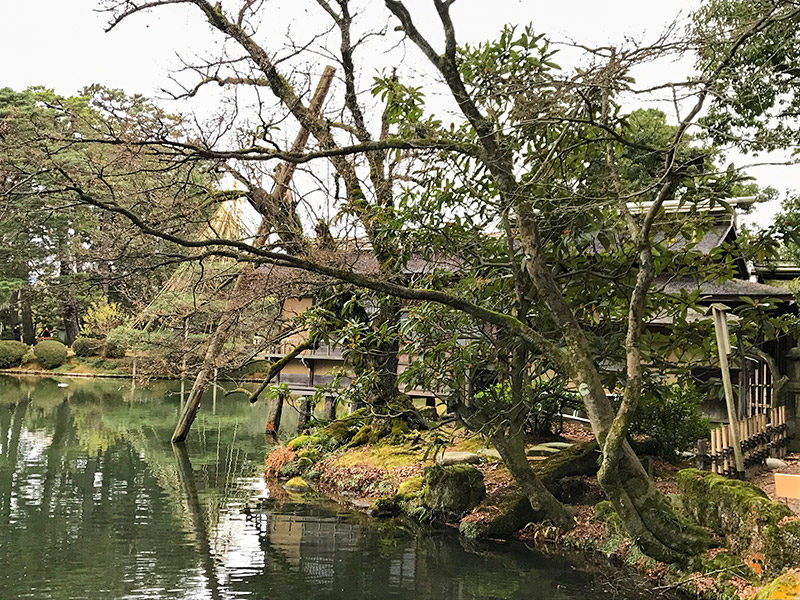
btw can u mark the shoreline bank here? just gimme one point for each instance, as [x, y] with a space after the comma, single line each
[393, 479]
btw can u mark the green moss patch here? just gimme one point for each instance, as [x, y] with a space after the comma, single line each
[453, 490]
[753, 525]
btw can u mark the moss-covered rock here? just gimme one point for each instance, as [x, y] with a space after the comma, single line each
[410, 486]
[785, 587]
[297, 484]
[385, 506]
[499, 515]
[752, 524]
[452, 491]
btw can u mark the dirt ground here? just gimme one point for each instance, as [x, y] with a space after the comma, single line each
[766, 481]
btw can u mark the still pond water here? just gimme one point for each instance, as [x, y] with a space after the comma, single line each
[95, 503]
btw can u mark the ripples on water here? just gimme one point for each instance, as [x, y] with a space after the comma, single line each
[95, 503]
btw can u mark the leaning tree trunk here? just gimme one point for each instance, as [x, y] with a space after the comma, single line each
[511, 447]
[266, 204]
[205, 374]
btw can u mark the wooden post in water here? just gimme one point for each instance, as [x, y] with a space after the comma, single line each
[274, 419]
[214, 393]
[719, 312]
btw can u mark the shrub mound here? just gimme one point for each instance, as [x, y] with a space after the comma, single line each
[11, 353]
[117, 343]
[85, 346]
[50, 353]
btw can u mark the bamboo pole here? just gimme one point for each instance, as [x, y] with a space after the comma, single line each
[726, 463]
[724, 346]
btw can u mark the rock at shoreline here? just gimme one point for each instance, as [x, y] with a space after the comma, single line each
[453, 490]
[499, 515]
[297, 484]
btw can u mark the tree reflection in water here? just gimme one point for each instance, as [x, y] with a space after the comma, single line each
[96, 503]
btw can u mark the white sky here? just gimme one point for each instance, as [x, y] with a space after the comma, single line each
[62, 44]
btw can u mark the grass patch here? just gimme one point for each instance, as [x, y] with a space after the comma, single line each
[471, 444]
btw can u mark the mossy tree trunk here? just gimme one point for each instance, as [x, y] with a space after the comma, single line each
[511, 447]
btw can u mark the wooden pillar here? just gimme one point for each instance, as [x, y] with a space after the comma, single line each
[304, 412]
[274, 419]
[329, 410]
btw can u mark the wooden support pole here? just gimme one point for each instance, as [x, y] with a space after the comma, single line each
[329, 410]
[726, 464]
[274, 420]
[724, 346]
[784, 433]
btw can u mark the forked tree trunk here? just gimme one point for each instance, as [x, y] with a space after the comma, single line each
[646, 514]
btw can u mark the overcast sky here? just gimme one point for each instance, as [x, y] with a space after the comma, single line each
[62, 44]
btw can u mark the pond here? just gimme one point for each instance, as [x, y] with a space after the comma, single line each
[96, 503]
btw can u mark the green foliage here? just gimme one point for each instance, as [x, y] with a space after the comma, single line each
[671, 416]
[102, 317]
[756, 97]
[50, 353]
[84, 346]
[117, 342]
[11, 353]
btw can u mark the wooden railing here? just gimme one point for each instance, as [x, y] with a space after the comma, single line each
[323, 351]
[762, 436]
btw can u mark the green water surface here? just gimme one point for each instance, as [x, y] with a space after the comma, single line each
[95, 503]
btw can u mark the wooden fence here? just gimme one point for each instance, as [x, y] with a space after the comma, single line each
[762, 436]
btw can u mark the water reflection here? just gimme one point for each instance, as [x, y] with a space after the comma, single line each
[96, 503]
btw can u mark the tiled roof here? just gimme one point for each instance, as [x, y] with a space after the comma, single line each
[731, 289]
